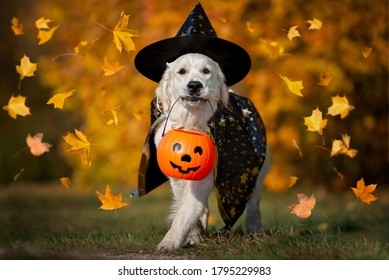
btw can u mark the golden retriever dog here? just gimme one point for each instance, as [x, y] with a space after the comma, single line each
[195, 84]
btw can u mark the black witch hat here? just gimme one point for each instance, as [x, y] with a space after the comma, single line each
[195, 36]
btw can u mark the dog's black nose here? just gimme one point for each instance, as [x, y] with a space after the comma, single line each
[194, 87]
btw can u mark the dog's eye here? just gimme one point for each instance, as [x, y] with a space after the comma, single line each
[198, 150]
[181, 71]
[177, 147]
[206, 71]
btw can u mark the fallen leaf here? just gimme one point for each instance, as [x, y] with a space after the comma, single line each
[303, 209]
[343, 147]
[315, 122]
[45, 35]
[58, 100]
[340, 106]
[110, 67]
[274, 48]
[42, 23]
[293, 33]
[292, 181]
[366, 52]
[35, 144]
[16, 26]
[112, 116]
[294, 87]
[364, 192]
[325, 77]
[16, 106]
[110, 201]
[122, 36]
[314, 24]
[80, 144]
[65, 181]
[26, 68]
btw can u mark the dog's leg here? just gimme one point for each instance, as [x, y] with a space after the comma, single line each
[253, 213]
[191, 207]
[199, 230]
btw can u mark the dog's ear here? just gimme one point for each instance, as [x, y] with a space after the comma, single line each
[223, 89]
[163, 89]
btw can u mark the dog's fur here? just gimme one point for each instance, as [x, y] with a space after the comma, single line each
[192, 80]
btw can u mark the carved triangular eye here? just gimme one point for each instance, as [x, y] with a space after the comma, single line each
[177, 147]
[198, 150]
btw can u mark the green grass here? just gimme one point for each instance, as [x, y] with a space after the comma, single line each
[50, 222]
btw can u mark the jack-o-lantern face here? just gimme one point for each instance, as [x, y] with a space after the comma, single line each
[186, 154]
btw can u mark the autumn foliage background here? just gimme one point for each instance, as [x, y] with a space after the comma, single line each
[339, 51]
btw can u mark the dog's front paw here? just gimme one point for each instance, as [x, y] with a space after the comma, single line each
[167, 246]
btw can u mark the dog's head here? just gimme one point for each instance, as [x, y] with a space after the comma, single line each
[193, 80]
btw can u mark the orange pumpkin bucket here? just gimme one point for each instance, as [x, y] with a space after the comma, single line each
[186, 154]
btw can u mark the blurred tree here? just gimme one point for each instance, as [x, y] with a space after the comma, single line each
[336, 50]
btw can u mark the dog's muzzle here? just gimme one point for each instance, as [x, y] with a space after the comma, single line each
[194, 92]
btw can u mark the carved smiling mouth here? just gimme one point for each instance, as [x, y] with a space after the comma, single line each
[194, 169]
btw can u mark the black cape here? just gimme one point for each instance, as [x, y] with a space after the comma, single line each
[240, 138]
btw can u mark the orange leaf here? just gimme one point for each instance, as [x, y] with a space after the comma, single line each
[26, 68]
[326, 77]
[315, 122]
[292, 181]
[16, 106]
[110, 201]
[16, 26]
[364, 192]
[366, 52]
[36, 146]
[303, 209]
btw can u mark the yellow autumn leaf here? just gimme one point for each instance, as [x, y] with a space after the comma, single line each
[59, 99]
[42, 23]
[315, 122]
[292, 181]
[26, 68]
[45, 35]
[110, 201]
[65, 181]
[37, 147]
[16, 26]
[110, 67]
[80, 144]
[122, 36]
[294, 87]
[293, 33]
[364, 192]
[343, 147]
[340, 106]
[314, 24]
[16, 106]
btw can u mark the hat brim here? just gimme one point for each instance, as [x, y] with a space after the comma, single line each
[233, 60]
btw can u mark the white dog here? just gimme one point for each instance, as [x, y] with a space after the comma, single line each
[196, 81]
